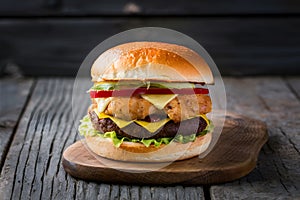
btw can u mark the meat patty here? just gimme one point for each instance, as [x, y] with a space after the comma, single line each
[133, 130]
[180, 108]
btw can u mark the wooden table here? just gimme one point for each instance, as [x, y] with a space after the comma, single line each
[36, 125]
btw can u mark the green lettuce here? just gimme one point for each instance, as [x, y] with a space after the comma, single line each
[133, 84]
[86, 129]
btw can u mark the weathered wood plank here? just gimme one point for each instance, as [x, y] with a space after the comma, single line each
[239, 46]
[115, 191]
[13, 94]
[159, 193]
[192, 193]
[277, 174]
[294, 85]
[134, 192]
[33, 160]
[145, 193]
[155, 7]
[293, 129]
[104, 191]
[33, 167]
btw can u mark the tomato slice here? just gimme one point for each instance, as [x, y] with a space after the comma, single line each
[139, 91]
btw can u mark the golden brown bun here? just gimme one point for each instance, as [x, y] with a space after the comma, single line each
[137, 152]
[148, 61]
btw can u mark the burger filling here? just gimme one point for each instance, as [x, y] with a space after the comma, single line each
[151, 113]
[135, 131]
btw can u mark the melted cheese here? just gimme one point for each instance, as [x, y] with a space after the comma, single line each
[121, 123]
[158, 100]
[102, 103]
[150, 126]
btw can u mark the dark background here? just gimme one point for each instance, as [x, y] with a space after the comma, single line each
[52, 37]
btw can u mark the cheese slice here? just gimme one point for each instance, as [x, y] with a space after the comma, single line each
[150, 126]
[102, 103]
[121, 123]
[159, 100]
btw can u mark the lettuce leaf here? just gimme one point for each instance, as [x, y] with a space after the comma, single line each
[106, 86]
[113, 85]
[86, 129]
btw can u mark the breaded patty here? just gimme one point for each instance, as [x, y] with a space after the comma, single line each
[130, 108]
[187, 106]
[180, 108]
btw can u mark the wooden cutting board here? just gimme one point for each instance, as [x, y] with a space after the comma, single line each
[233, 157]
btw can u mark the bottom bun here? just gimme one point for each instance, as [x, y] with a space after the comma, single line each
[137, 152]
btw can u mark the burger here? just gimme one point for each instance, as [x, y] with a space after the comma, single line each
[149, 103]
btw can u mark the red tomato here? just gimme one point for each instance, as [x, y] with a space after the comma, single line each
[139, 91]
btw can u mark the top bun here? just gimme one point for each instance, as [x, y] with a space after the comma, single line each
[151, 61]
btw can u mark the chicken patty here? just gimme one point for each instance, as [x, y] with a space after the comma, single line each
[186, 106]
[180, 108]
[131, 108]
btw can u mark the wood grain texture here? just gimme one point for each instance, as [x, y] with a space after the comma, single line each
[33, 170]
[239, 46]
[37, 167]
[293, 84]
[34, 156]
[234, 156]
[277, 175]
[155, 7]
[13, 94]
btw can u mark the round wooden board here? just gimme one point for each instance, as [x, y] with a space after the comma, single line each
[233, 157]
